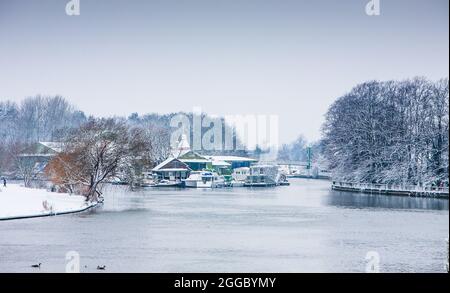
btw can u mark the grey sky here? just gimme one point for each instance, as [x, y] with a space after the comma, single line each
[291, 58]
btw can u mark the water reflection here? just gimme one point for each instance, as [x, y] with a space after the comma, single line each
[304, 227]
[362, 200]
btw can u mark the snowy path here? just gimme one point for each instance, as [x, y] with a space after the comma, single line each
[19, 202]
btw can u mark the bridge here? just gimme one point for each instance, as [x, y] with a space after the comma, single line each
[293, 163]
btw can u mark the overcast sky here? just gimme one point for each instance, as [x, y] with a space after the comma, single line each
[291, 58]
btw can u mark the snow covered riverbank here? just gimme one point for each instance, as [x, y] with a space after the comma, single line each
[19, 202]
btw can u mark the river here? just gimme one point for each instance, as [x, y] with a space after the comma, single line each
[304, 227]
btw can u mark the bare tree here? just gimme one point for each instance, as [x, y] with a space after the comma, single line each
[98, 151]
[27, 169]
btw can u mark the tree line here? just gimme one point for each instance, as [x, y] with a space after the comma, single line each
[393, 132]
[382, 132]
[93, 150]
[39, 118]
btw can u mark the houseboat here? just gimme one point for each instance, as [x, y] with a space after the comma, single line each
[204, 179]
[262, 176]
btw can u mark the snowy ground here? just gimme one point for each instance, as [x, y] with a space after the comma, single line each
[17, 202]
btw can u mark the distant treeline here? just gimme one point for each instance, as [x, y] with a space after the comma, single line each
[390, 132]
[298, 151]
[38, 119]
[43, 118]
[34, 119]
[384, 132]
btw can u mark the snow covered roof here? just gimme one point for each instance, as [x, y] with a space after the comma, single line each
[231, 159]
[42, 149]
[193, 157]
[162, 164]
[220, 163]
[55, 146]
[171, 164]
[195, 160]
[171, 170]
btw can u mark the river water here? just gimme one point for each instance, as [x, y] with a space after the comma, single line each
[304, 227]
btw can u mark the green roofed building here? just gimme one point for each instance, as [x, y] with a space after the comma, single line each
[195, 161]
[199, 162]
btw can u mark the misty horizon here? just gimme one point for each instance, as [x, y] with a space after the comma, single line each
[227, 57]
[142, 114]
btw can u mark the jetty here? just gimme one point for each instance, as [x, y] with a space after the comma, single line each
[391, 189]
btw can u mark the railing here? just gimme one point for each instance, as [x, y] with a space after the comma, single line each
[391, 187]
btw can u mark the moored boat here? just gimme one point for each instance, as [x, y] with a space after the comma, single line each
[166, 183]
[262, 176]
[204, 179]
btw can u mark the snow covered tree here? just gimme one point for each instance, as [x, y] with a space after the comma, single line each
[390, 132]
[100, 150]
[35, 119]
[27, 170]
[96, 149]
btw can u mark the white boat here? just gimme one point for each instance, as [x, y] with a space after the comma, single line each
[166, 183]
[204, 179]
[237, 183]
[147, 180]
[240, 176]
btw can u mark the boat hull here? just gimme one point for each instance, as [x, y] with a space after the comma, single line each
[197, 184]
[163, 185]
[202, 184]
